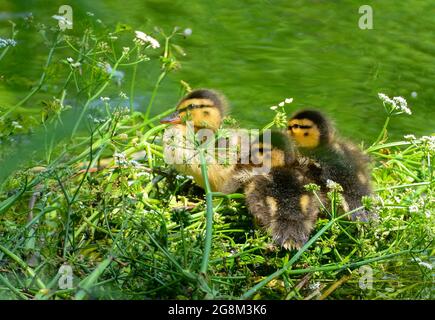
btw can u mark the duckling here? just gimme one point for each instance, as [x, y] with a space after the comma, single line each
[340, 160]
[205, 108]
[278, 200]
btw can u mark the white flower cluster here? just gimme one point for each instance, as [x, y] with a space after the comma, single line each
[429, 141]
[314, 286]
[16, 125]
[121, 158]
[413, 208]
[72, 63]
[143, 39]
[282, 103]
[7, 43]
[397, 103]
[122, 95]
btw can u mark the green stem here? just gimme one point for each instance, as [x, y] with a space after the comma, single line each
[23, 265]
[209, 215]
[351, 265]
[153, 95]
[96, 94]
[382, 133]
[133, 80]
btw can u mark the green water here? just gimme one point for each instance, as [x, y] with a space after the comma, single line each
[260, 52]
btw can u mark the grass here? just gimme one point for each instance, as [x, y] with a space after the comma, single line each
[72, 195]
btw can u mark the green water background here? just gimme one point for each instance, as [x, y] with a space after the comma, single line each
[260, 52]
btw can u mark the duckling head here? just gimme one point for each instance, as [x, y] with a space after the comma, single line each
[205, 108]
[310, 129]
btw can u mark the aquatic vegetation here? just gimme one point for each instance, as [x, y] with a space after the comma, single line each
[89, 209]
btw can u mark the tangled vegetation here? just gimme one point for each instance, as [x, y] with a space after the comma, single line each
[84, 185]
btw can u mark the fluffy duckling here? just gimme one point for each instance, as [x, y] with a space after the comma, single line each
[205, 109]
[340, 160]
[278, 200]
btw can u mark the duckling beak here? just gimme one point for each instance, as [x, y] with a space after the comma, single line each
[173, 118]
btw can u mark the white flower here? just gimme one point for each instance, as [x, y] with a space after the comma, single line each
[91, 14]
[123, 95]
[125, 50]
[273, 108]
[314, 286]
[413, 208]
[409, 137]
[72, 63]
[281, 104]
[402, 104]
[7, 43]
[288, 100]
[105, 99]
[16, 125]
[120, 158]
[385, 98]
[187, 32]
[414, 94]
[430, 140]
[398, 103]
[144, 39]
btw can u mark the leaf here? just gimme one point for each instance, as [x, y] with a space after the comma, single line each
[87, 283]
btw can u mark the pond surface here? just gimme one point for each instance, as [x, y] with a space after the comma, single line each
[260, 52]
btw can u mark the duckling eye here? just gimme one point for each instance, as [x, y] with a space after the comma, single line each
[192, 106]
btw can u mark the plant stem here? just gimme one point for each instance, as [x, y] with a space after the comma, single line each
[209, 215]
[382, 133]
[23, 265]
[133, 80]
[153, 95]
[95, 95]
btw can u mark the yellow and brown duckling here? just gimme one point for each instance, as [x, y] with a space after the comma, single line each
[205, 109]
[340, 160]
[278, 200]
